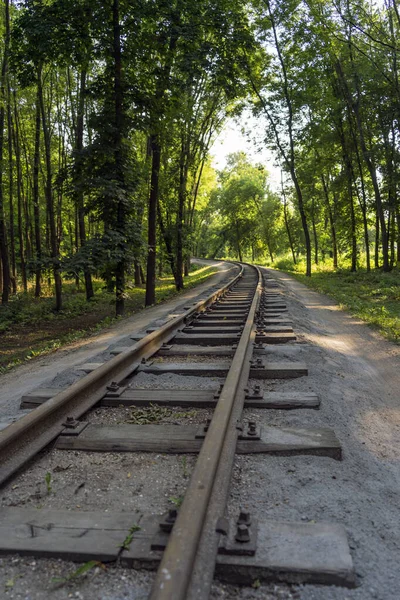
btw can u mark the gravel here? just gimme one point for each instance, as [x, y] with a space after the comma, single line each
[103, 481]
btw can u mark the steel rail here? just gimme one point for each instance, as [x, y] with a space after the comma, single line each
[22, 440]
[178, 565]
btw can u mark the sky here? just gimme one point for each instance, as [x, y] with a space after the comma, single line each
[234, 139]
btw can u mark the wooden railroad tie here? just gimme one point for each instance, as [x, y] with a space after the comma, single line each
[184, 398]
[313, 553]
[178, 439]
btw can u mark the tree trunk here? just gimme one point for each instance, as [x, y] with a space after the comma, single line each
[155, 145]
[392, 230]
[238, 242]
[398, 237]
[167, 241]
[303, 222]
[363, 205]
[331, 223]
[11, 194]
[160, 259]
[187, 266]
[136, 267]
[119, 124]
[183, 171]
[152, 221]
[290, 160]
[3, 229]
[314, 233]
[285, 215]
[349, 172]
[376, 240]
[353, 231]
[49, 199]
[377, 193]
[36, 212]
[78, 176]
[16, 138]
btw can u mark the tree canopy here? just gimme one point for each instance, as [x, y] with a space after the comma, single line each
[108, 112]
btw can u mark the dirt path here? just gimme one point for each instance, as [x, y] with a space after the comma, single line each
[357, 374]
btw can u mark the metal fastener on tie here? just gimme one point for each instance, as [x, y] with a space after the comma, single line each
[242, 533]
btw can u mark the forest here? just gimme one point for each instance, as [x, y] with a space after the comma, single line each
[109, 111]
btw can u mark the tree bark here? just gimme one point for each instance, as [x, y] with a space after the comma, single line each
[36, 212]
[363, 206]
[368, 161]
[377, 240]
[314, 232]
[331, 223]
[290, 159]
[155, 145]
[119, 124]
[3, 228]
[136, 266]
[167, 241]
[353, 229]
[11, 194]
[238, 242]
[49, 199]
[16, 138]
[285, 215]
[78, 178]
[183, 174]
[152, 221]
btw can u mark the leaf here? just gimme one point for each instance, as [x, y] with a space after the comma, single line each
[176, 500]
[85, 568]
[128, 540]
[47, 479]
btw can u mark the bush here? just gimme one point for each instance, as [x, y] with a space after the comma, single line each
[284, 263]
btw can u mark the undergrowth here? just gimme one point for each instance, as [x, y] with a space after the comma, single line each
[29, 326]
[373, 297]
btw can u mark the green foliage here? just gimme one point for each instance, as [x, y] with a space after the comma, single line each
[176, 500]
[244, 216]
[284, 264]
[47, 479]
[79, 572]
[321, 76]
[129, 538]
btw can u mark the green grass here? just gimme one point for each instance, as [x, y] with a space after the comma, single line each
[29, 327]
[373, 297]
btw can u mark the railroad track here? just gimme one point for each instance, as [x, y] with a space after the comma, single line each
[229, 335]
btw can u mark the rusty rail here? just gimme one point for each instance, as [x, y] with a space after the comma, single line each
[188, 562]
[22, 440]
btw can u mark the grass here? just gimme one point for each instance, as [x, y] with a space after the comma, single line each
[29, 327]
[373, 297]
